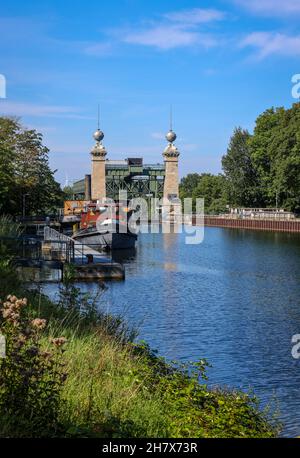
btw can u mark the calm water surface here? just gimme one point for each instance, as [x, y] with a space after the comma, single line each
[234, 300]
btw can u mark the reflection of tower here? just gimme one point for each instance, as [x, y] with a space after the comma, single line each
[171, 155]
[98, 167]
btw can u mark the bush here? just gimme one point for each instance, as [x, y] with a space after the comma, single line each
[31, 378]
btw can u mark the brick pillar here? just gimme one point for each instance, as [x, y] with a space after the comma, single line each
[171, 209]
[98, 172]
[171, 186]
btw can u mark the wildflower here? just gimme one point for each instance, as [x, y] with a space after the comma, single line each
[59, 341]
[11, 316]
[38, 323]
[20, 302]
[6, 313]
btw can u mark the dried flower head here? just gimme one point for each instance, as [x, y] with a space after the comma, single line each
[58, 341]
[39, 323]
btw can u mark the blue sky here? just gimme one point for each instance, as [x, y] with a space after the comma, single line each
[220, 63]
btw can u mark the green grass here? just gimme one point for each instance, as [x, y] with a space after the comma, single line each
[106, 391]
[117, 390]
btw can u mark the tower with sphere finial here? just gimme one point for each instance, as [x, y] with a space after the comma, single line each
[171, 154]
[98, 154]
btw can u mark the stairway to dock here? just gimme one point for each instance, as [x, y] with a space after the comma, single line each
[88, 263]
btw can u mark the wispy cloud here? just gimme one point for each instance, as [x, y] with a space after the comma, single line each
[168, 37]
[177, 29]
[189, 147]
[271, 7]
[158, 135]
[195, 16]
[99, 49]
[70, 148]
[8, 108]
[268, 43]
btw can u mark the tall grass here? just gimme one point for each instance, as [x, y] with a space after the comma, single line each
[106, 393]
[8, 227]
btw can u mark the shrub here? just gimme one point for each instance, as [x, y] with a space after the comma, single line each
[30, 377]
[9, 233]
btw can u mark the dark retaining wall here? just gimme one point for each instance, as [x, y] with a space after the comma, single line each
[251, 223]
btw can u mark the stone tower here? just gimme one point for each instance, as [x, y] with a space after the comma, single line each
[171, 154]
[98, 167]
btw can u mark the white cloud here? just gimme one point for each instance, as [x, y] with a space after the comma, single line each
[158, 135]
[268, 43]
[8, 108]
[98, 49]
[189, 147]
[177, 29]
[77, 148]
[196, 16]
[271, 7]
[166, 37]
[163, 37]
[42, 129]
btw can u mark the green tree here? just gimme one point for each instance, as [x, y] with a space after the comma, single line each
[213, 189]
[68, 193]
[9, 128]
[210, 187]
[25, 171]
[188, 184]
[241, 176]
[275, 153]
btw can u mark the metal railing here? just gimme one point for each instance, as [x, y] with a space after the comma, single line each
[76, 251]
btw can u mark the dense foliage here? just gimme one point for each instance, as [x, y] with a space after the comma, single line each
[27, 182]
[9, 233]
[210, 187]
[31, 377]
[260, 170]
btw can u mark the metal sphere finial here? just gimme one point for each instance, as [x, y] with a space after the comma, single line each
[98, 135]
[171, 136]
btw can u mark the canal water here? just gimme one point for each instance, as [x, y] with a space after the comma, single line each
[233, 299]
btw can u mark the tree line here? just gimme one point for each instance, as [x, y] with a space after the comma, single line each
[259, 170]
[27, 181]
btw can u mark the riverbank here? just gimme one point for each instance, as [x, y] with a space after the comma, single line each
[109, 386]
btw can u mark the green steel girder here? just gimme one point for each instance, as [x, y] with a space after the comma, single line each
[138, 181]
